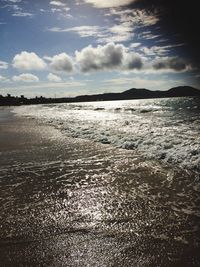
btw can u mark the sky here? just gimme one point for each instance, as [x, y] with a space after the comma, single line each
[66, 48]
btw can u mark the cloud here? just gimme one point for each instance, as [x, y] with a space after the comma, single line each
[142, 17]
[25, 77]
[135, 45]
[57, 3]
[16, 10]
[133, 61]
[3, 79]
[136, 17]
[61, 62]
[61, 8]
[148, 35]
[3, 65]
[158, 50]
[117, 57]
[53, 78]
[105, 57]
[173, 63]
[109, 3]
[22, 14]
[28, 61]
[118, 33]
[128, 21]
[108, 57]
[122, 30]
[13, 1]
[82, 31]
[66, 9]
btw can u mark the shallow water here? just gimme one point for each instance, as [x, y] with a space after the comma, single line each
[167, 130]
[69, 201]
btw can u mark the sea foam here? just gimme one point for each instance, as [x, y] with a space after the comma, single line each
[164, 129]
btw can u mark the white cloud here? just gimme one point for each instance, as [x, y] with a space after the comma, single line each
[22, 14]
[17, 11]
[83, 31]
[108, 57]
[117, 33]
[13, 1]
[57, 3]
[28, 61]
[66, 9]
[127, 22]
[61, 62]
[109, 3]
[134, 45]
[3, 65]
[25, 77]
[121, 31]
[148, 35]
[60, 7]
[136, 17]
[158, 51]
[53, 78]
[143, 18]
[3, 79]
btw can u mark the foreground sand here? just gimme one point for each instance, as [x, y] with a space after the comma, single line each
[69, 202]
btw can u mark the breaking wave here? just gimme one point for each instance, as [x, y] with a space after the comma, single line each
[164, 129]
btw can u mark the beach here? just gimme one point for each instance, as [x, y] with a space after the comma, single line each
[69, 201]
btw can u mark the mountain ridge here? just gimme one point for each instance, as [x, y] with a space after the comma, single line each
[143, 93]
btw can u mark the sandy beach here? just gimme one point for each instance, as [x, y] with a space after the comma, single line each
[71, 202]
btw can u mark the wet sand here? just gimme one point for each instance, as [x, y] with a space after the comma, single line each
[72, 202]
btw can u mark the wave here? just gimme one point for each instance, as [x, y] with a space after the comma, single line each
[167, 130]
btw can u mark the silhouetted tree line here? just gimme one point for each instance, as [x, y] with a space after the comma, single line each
[22, 100]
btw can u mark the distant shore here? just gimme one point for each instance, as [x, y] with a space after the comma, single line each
[181, 91]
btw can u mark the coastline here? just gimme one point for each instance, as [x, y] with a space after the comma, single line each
[72, 202]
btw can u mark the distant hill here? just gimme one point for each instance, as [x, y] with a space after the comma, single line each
[132, 93]
[183, 91]
[142, 93]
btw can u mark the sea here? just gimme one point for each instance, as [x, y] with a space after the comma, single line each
[167, 130]
[117, 186]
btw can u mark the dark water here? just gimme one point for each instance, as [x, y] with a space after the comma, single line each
[74, 202]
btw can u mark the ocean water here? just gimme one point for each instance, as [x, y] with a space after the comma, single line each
[167, 130]
[101, 184]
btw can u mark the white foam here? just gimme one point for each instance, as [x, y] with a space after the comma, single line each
[160, 129]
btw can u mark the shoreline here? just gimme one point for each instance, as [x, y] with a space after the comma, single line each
[72, 202]
[131, 94]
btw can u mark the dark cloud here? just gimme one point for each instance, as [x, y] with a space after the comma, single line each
[107, 57]
[178, 21]
[175, 64]
[61, 62]
[134, 62]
